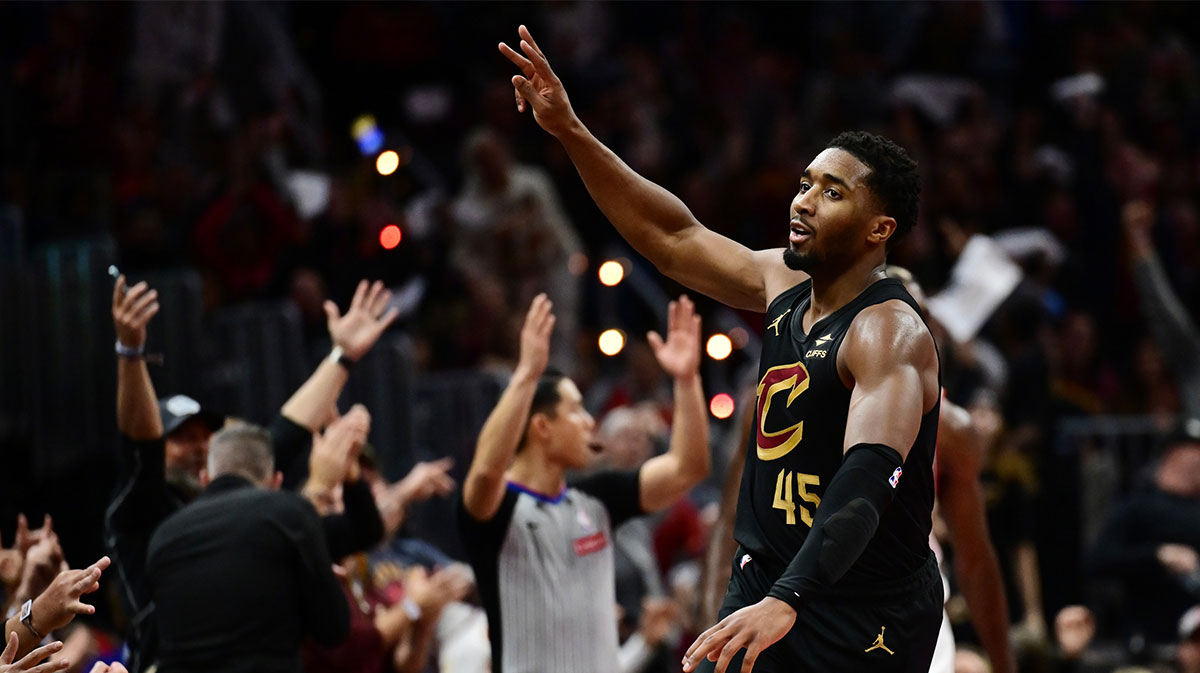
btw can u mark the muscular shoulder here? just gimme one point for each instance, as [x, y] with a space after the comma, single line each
[888, 334]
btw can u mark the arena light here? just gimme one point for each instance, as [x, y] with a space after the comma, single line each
[389, 237]
[721, 405]
[739, 336]
[612, 341]
[719, 347]
[387, 163]
[611, 273]
[366, 134]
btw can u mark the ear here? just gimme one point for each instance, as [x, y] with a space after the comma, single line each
[205, 478]
[539, 426]
[882, 228]
[276, 481]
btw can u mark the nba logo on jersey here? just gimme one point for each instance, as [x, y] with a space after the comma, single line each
[745, 560]
[894, 480]
[585, 521]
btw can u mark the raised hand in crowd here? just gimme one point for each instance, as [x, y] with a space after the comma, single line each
[423, 481]
[679, 355]
[137, 407]
[42, 563]
[55, 607]
[334, 457]
[357, 331]
[1137, 217]
[29, 663]
[132, 309]
[12, 561]
[114, 667]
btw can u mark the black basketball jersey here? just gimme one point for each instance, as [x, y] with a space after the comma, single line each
[797, 444]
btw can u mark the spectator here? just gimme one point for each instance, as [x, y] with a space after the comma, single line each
[529, 240]
[241, 575]
[149, 457]
[1150, 542]
[541, 547]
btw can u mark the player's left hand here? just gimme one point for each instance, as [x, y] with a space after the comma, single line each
[679, 356]
[753, 628]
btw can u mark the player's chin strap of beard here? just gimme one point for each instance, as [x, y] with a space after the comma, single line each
[844, 524]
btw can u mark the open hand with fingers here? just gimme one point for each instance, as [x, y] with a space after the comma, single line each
[335, 452]
[132, 310]
[62, 600]
[679, 355]
[754, 628]
[535, 338]
[538, 87]
[29, 663]
[368, 317]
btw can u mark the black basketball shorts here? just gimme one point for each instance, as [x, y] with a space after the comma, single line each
[890, 628]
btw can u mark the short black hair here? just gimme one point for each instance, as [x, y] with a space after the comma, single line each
[545, 399]
[894, 178]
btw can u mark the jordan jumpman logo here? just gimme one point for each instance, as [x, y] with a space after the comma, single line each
[878, 645]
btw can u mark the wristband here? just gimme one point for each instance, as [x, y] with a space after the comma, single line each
[124, 351]
[339, 356]
[27, 618]
[411, 609]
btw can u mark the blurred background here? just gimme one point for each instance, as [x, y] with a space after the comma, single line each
[251, 160]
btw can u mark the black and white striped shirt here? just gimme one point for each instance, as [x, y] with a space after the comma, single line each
[544, 567]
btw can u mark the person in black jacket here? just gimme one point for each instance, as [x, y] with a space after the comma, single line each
[243, 574]
[1151, 541]
[164, 446]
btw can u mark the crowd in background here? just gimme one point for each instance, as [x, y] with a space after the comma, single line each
[217, 136]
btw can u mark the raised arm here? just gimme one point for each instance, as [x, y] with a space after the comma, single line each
[137, 407]
[656, 223]
[1169, 321]
[483, 490]
[960, 458]
[353, 335]
[664, 479]
[314, 403]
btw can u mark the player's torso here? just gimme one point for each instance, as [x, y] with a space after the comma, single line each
[800, 420]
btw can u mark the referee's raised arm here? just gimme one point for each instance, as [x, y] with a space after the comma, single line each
[483, 489]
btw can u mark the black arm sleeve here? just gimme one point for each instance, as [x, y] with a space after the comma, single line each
[324, 610]
[620, 491]
[292, 443]
[845, 522]
[359, 528]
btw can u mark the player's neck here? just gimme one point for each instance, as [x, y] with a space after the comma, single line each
[835, 290]
[533, 471]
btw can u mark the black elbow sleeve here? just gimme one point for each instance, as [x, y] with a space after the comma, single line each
[845, 522]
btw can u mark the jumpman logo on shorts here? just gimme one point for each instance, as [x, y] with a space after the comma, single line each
[879, 642]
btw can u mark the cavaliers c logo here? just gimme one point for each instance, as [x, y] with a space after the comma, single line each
[793, 378]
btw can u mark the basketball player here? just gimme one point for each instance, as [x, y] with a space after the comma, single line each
[847, 408]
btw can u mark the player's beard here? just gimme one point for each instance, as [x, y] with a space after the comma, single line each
[800, 261]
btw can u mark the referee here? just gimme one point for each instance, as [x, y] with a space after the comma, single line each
[541, 546]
